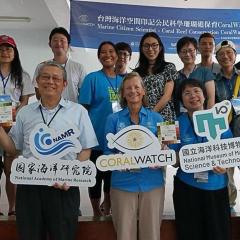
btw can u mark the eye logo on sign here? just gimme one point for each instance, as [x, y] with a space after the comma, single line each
[213, 122]
[45, 142]
[130, 139]
[139, 148]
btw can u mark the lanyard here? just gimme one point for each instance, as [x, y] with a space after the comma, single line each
[109, 81]
[4, 83]
[40, 107]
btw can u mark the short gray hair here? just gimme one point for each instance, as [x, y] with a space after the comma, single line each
[53, 64]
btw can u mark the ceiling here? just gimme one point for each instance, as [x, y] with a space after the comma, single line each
[44, 14]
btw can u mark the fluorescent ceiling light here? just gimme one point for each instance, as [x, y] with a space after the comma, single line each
[14, 19]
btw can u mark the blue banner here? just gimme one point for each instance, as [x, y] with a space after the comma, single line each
[93, 22]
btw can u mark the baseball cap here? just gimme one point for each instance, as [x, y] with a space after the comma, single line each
[224, 44]
[4, 39]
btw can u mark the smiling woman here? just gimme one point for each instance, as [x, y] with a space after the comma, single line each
[99, 94]
[136, 194]
[16, 84]
[200, 199]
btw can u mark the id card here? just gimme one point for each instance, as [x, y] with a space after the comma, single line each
[236, 105]
[201, 176]
[116, 106]
[6, 117]
[168, 132]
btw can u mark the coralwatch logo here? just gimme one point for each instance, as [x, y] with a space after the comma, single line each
[213, 122]
[46, 143]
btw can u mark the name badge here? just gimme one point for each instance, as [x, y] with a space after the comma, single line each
[201, 176]
[116, 106]
[6, 109]
[236, 105]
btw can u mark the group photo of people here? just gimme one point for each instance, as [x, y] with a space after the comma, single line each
[112, 97]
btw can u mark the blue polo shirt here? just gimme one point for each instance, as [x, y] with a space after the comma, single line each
[144, 179]
[188, 136]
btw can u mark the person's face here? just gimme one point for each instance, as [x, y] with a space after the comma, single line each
[151, 49]
[107, 56]
[133, 90]
[50, 82]
[59, 44]
[193, 98]
[226, 57]
[6, 53]
[206, 46]
[187, 54]
[123, 58]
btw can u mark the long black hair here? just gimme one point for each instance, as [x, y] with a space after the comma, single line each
[16, 68]
[143, 63]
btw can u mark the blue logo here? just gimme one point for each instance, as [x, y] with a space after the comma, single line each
[45, 142]
[213, 122]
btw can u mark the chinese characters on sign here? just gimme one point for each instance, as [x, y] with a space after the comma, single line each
[93, 22]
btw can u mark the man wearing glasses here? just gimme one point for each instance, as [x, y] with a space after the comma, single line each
[124, 53]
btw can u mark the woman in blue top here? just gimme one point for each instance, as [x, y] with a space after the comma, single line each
[135, 194]
[200, 200]
[99, 94]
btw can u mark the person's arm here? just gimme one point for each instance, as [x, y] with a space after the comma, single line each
[210, 88]
[7, 143]
[167, 95]
[84, 154]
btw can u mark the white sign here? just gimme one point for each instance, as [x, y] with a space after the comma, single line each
[211, 124]
[140, 148]
[47, 166]
[47, 143]
[204, 156]
[41, 172]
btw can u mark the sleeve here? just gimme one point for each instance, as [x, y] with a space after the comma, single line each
[86, 90]
[87, 136]
[82, 75]
[110, 127]
[172, 73]
[227, 134]
[28, 88]
[16, 132]
[208, 75]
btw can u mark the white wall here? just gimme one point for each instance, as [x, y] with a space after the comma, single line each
[33, 47]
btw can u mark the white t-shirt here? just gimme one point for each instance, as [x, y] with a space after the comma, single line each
[9, 87]
[75, 75]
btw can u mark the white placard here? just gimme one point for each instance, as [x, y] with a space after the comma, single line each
[211, 123]
[140, 148]
[204, 156]
[47, 166]
[41, 172]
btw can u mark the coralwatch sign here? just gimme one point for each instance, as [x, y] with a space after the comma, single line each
[93, 22]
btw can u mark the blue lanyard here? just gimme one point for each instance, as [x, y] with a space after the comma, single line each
[109, 81]
[4, 81]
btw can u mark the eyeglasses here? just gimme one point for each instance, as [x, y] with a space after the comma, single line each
[123, 54]
[147, 46]
[7, 49]
[46, 78]
[186, 51]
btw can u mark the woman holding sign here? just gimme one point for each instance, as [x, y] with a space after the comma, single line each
[200, 199]
[138, 193]
[15, 89]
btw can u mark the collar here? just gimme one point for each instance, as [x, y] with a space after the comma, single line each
[235, 72]
[62, 103]
[143, 111]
